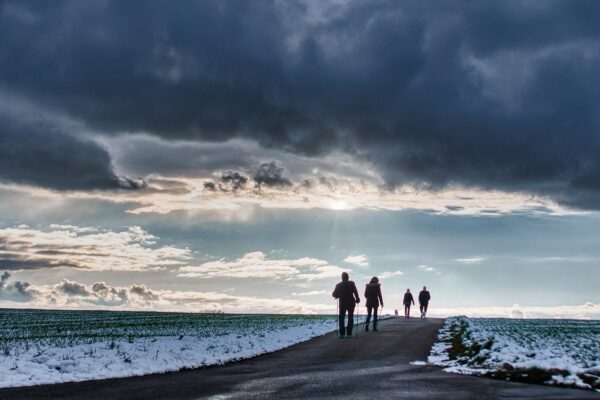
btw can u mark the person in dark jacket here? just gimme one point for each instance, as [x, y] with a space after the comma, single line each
[374, 298]
[408, 299]
[347, 295]
[424, 298]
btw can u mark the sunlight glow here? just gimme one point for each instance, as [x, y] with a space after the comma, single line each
[167, 194]
[338, 205]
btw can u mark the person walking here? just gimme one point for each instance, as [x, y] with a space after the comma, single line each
[347, 296]
[374, 298]
[408, 299]
[424, 297]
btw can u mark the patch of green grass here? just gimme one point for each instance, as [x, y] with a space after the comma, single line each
[540, 376]
[529, 375]
[462, 352]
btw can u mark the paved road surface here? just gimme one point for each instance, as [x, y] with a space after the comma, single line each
[374, 366]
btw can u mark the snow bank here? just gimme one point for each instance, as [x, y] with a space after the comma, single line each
[35, 361]
[558, 352]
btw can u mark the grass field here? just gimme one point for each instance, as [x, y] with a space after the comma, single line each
[556, 352]
[58, 346]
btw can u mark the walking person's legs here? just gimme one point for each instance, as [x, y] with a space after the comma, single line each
[425, 305]
[375, 319]
[357, 321]
[369, 310]
[341, 316]
[350, 321]
[421, 308]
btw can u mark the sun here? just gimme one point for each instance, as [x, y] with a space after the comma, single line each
[338, 205]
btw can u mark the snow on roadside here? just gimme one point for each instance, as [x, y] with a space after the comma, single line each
[558, 352]
[32, 364]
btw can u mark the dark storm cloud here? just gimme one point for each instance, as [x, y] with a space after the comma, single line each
[266, 174]
[17, 291]
[143, 292]
[19, 262]
[228, 181]
[271, 174]
[491, 94]
[73, 288]
[233, 180]
[4, 278]
[36, 153]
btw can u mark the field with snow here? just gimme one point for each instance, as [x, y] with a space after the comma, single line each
[38, 347]
[555, 352]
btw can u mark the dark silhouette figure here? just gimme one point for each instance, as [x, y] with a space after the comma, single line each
[408, 299]
[374, 298]
[424, 298]
[347, 296]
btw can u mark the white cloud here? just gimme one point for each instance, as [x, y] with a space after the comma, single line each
[70, 294]
[257, 265]
[429, 269]
[473, 260]
[389, 274]
[311, 293]
[359, 259]
[584, 311]
[132, 249]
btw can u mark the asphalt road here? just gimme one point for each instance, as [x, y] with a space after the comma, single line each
[374, 366]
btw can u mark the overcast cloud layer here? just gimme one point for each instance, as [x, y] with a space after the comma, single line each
[239, 155]
[501, 95]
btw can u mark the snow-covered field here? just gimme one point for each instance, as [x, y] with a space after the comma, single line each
[556, 352]
[38, 347]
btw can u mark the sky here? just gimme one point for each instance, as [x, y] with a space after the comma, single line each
[238, 156]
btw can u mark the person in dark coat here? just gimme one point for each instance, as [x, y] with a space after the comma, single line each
[374, 298]
[347, 295]
[424, 298]
[408, 299]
